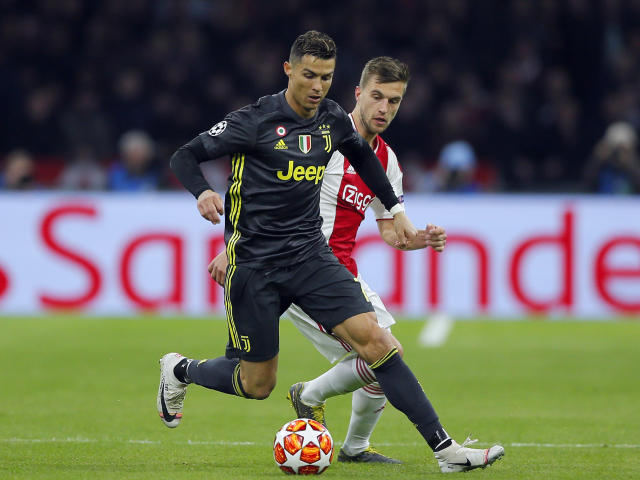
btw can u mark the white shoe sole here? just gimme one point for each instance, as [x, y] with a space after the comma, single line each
[171, 420]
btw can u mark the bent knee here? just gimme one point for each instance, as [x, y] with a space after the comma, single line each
[258, 388]
[261, 389]
[258, 379]
[259, 392]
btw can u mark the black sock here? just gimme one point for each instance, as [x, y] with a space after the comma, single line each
[221, 374]
[405, 393]
[443, 444]
[180, 370]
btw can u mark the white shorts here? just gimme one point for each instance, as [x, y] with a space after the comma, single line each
[331, 347]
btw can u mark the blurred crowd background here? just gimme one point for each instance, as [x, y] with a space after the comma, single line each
[505, 96]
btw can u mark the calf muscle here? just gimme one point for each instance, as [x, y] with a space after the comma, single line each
[366, 337]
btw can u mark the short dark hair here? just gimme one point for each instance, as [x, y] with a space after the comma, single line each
[387, 70]
[314, 43]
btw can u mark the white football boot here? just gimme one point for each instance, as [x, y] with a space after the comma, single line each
[171, 391]
[460, 458]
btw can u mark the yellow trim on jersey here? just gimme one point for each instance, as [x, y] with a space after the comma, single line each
[366, 297]
[228, 307]
[236, 382]
[237, 167]
[389, 354]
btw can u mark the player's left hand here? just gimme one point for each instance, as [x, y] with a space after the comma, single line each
[210, 206]
[436, 237]
[405, 231]
[218, 268]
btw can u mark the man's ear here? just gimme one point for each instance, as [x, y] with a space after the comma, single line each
[288, 68]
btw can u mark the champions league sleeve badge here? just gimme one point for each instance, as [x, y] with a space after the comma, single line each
[218, 128]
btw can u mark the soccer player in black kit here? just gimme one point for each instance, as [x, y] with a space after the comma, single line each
[277, 254]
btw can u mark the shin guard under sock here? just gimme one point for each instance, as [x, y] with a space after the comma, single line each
[404, 392]
[221, 374]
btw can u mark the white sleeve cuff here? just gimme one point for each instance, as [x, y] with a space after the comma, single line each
[397, 208]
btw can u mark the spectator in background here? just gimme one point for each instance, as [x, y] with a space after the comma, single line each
[85, 124]
[528, 84]
[38, 129]
[134, 171]
[614, 166]
[456, 169]
[84, 172]
[129, 108]
[18, 172]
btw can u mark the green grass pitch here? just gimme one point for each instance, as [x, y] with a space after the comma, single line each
[78, 401]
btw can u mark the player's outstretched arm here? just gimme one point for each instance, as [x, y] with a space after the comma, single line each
[387, 231]
[433, 236]
[405, 231]
[367, 165]
[185, 164]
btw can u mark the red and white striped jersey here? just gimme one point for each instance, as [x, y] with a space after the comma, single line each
[344, 197]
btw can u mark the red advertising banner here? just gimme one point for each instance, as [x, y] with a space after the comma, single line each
[506, 256]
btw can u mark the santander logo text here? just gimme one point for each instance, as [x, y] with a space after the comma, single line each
[505, 257]
[565, 267]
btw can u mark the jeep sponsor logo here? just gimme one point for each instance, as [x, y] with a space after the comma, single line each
[299, 173]
[350, 194]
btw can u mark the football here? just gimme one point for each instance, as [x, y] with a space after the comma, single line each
[303, 447]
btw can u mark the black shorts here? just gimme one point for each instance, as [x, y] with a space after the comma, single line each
[254, 299]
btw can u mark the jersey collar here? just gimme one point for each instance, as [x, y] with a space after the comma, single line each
[290, 112]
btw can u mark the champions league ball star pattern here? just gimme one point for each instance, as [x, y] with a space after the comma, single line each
[303, 447]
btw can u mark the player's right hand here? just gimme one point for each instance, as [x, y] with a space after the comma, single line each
[218, 267]
[405, 230]
[436, 237]
[210, 206]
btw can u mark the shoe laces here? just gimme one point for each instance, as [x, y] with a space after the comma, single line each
[468, 441]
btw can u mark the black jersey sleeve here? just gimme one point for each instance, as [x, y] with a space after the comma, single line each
[366, 163]
[185, 164]
[236, 133]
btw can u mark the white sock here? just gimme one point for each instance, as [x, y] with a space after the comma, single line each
[346, 376]
[366, 409]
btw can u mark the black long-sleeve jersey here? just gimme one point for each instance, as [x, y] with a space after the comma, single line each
[272, 213]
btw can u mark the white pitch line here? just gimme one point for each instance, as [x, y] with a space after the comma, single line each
[532, 445]
[233, 444]
[575, 445]
[48, 440]
[221, 442]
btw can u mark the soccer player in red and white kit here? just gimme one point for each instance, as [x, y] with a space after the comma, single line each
[344, 198]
